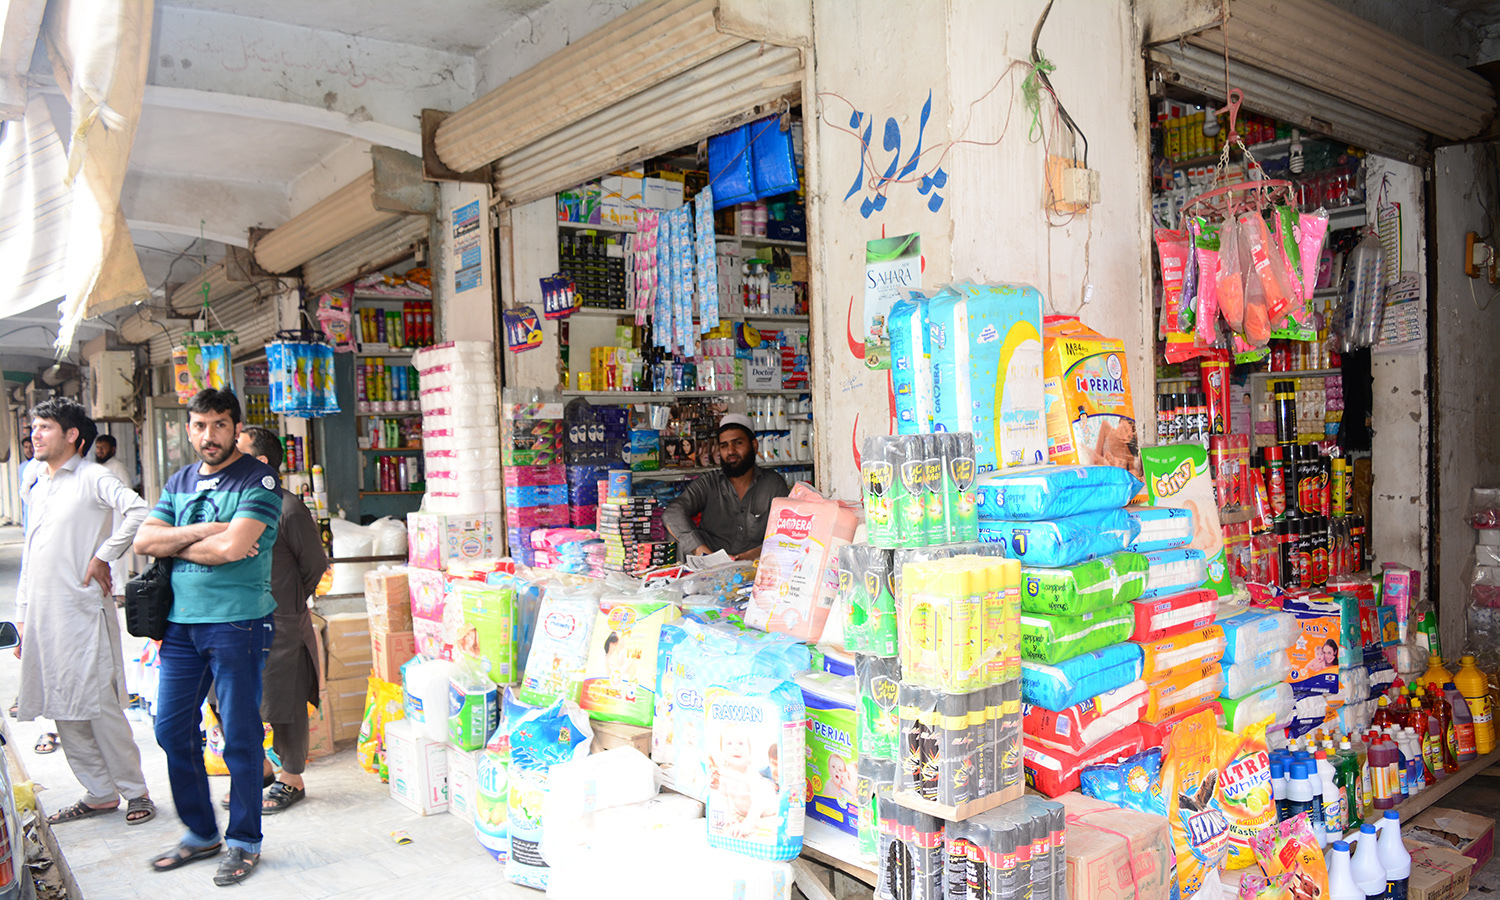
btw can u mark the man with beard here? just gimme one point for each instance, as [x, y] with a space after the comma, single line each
[733, 503]
[218, 520]
[105, 450]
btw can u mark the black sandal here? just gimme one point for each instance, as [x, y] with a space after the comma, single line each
[79, 810]
[141, 808]
[47, 743]
[280, 797]
[236, 867]
[265, 782]
[183, 855]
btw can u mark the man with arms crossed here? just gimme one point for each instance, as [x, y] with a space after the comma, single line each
[71, 667]
[219, 520]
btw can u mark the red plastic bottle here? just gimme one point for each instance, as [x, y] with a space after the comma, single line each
[1383, 763]
[1445, 722]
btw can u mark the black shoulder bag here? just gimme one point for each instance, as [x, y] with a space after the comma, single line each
[148, 601]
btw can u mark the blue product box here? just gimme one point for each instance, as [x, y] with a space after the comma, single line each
[536, 495]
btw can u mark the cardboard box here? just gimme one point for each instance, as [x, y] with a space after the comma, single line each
[661, 193]
[1116, 854]
[1471, 835]
[463, 782]
[347, 693]
[418, 769]
[319, 729]
[434, 539]
[320, 642]
[1437, 874]
[389, 651]
[348, 646]
[609, 735]
[388, 598]
[620, 198]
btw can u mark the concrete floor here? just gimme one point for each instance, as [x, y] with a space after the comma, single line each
[336, 843]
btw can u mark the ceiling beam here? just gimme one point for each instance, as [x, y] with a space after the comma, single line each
[227, 210]
[261, 109]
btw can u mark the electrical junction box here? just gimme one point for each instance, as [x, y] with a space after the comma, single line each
[112, 384]
[1070, 187]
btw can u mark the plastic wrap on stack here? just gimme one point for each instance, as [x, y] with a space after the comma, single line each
[1273, 702]
[460, 427]
[1165, 616]
[1160, 528]
[1250, 675]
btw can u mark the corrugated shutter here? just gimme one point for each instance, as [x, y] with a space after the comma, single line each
[375, 249]
[646, 46]
[252, 315]
[342, 215]
[705, 100]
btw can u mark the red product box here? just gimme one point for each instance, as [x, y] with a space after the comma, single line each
[1083, 724]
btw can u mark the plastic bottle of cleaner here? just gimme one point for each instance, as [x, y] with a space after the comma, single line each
[1419, 717]
[1278, 786]
[1366, 779]
[1341, 884]
[1382, 767]
[1475, 689]
[1332, 799]
[1445, 719]
[1368, 871]
[1348, 766]
[1394, 856]
[1463, 723]
[1382, 712]
[1416, 778]
[1436, 673]
[1299, 793]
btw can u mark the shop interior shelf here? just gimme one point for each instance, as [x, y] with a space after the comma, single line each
[585, 226]
[391, 493]
[760, 241]
[732, 317]
[1435, 792]
[1262, 151]
[388, 298]
[376, 350]
[628, 397]
[1341, 217]
[388, 415]
[1304, 373]
[390, 449]
[672, 474]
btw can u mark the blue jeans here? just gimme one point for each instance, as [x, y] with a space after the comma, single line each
[230, 656]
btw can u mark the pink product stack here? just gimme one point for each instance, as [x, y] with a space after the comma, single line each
[429, 593]
[531, 476]
[436, 540]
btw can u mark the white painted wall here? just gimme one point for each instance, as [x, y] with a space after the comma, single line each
[528, 242]
[467, 315]
[539, 34]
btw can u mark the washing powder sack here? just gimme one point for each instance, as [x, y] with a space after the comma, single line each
[1080, 678]
[1183, 690]
[798, 576]
[1255, 632]
[1052, 639]
[754, 733]
[986, 347]
[619, 681]
[1161, 528]
[539, 738]
[1191, 649]
[1173, 572]
[1165, 616]
[1273, 702]
[1250, 675]
[1084, 587]
[1090, 412]
[911, 364]
[1051, 492]
[1062, 542]
[560, 647]
[832, 761]
[1133, 783]
[1177, 475]
[1084, 724]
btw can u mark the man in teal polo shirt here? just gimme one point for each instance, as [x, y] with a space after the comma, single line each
[217, 519]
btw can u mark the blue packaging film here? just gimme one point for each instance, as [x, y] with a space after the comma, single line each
[1061, 542]
[911, 364]
[1050, 492]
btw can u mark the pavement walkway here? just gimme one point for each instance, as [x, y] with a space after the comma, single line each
[335, 844]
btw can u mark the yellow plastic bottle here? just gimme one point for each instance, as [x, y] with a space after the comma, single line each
[1436, 674]
[1476, 690]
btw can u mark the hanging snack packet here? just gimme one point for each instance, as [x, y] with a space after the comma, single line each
[1285, 219]
[1312, 228]
[1200, 831]
[1244, 790]
[1268, 272]
[1230, 289]
[1175, 259]
[1206, 263]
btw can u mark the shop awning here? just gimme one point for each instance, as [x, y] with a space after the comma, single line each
[377, 248]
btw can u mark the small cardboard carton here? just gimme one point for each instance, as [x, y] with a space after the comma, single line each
[390, 650]
[418, 769]
[319, 729]
[388, 598]
[348, 645]
[1437, 874]
[1116, 854]
[1471, 835]
[463, 782]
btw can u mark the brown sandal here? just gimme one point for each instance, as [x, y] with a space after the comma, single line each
[79, 810]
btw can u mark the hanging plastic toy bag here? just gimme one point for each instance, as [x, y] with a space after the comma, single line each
[1206, 262]
[1284, 218]
[1259, 300]
[1364, 293]
[1230, 289]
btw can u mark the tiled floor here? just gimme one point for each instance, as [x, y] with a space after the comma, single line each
[336, 843]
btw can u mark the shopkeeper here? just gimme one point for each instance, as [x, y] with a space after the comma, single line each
[732, 503]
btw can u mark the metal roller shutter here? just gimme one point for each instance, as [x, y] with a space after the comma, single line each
[251, 313]
[646, 46]
[681, 110]
[344, 214]
[375, 249]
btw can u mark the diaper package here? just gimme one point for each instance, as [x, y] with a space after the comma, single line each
[1177, 475]
[1051, 492]
[1088, 722]
[1273, 703]
[1080, 678]
[1250, 675]
[798, 576]
[1083, 587]
[619, 682]
[1054, 772]
[1061, 542]
[986, 348]
[1315, 652]
[1158, 732]
[911, 365]
[755, 736]
[1090, 411]
[1255, 632]
[832, 761]
[1182, 690]
[560, 647]
[1161, 528]
[1173, 572]
[1164, 616]
[1163, 657]
[1053, 638]
[1307, 713]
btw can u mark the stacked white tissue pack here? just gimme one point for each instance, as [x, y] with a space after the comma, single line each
[1256, 665]
[460, 427]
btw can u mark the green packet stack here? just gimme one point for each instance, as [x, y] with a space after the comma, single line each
[1051, 639]
[1085, 587]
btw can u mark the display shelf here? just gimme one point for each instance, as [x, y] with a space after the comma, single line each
[391, 493]
[388, 298]
[1435, 792]
[1327, 294]
[1342, 217]
[630, 397]
[585, 226]
[1263, 150]
[388, 415]
[390, 449]
[1301, 373]
[599, 312]
[374, 350]
[784, 392]
[760, 241]
[826, 844]
[672, 474]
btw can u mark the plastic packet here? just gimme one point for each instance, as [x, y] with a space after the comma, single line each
[1200, 831]
[1364, 309]
[1256, 328]
[1230, 288]
[1290, 849]
[1269, 267]
[1206, 264]
[1285, 220]
[1133, 783]
[1244, 790]
[473, 703]
[1312, 229]
[383, 704]
[1173, 248]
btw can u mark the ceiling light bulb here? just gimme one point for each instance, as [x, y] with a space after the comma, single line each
[1210, 123]
[1295, 160]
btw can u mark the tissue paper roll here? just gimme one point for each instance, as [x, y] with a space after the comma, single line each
[1255, 633]
[1250, 675]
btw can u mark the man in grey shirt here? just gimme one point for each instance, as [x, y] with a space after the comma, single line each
[733, 502]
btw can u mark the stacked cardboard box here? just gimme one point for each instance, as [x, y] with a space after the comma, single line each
[388, 604]
[348, 672]
[634, 538]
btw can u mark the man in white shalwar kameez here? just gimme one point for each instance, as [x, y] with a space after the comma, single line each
[106, 449]
[71, 666]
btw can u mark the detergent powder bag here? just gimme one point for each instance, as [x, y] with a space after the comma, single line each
[1133, 783]
[1200, 830]
[1177, 475]
[1244, 790]
[538, 738]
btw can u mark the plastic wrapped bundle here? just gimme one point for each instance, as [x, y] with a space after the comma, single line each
[1086, 723]
[1250, 675]
[1084, 587]
[1052, 492]
[1053, 638]
[1256, 632]
[1080, 678]
[1183, 689]
[1161, 527]
[1354, 684]
[1174, 571]
[1191, 649]
[1054, 772]
[1273, 702]
[1165, 616]
[1356, 717]
[1308, 713]
[1061, 542]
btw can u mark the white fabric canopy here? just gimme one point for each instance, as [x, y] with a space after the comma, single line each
[34, 212]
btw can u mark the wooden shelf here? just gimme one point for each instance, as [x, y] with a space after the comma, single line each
[1435, 792]
[391, 493]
